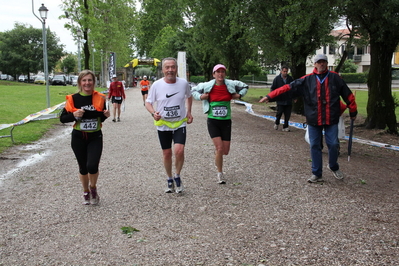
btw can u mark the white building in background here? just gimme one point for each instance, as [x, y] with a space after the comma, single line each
[359, 55]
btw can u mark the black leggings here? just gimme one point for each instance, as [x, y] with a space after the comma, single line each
[88, 148]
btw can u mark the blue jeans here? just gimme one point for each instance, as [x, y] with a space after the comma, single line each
[315, 138]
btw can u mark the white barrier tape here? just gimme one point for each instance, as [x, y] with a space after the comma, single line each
[374, 143]
[34, 116]
[248, 107]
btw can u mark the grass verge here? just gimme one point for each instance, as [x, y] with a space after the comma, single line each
[18, 100]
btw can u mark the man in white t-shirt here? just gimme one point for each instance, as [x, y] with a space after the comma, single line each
[172, 112]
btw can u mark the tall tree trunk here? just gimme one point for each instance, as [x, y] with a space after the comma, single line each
[342, 61]
[298, 69]
[85, 36]
[380, 105]
[234, 73]
[349, 42]
[86, 50]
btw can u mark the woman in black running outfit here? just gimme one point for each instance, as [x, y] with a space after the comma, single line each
[87, 109]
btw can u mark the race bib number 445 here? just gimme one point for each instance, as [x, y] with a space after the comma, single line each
[219, 111]
[172, 112]
[88, 124]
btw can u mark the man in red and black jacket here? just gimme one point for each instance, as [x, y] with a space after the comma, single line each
[321, 91]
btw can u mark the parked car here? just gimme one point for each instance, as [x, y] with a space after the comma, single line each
[40, 80]
[59, 80]
[4, 76]
[22, 78]
[75, 81]
[10, 77]
[70, 79]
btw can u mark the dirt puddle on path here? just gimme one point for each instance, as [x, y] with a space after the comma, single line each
[28, 155]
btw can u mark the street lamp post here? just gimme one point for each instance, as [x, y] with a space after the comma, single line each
[93, 50]
[79, 34]
[43, 14]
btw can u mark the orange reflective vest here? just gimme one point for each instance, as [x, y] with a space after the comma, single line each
[98, 100]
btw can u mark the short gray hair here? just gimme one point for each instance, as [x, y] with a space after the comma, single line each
[169, 58]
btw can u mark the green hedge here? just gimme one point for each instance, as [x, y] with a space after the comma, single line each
[197, 79]
[354, 77]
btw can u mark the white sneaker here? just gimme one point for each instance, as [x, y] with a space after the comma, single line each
[286, 129]
[338, 174]
[276, 127]
[86, 198]
[94, 198]
[171, 186]
[315, 179]
[221, 179]
[179, 185]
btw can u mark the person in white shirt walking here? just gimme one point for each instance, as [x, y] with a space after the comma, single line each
[171, 114]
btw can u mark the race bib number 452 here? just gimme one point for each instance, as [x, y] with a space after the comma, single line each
[219, 111]
[88, 124]
[172, 112]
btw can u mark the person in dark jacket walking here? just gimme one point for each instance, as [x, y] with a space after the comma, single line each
[284, 101]
[321, 91]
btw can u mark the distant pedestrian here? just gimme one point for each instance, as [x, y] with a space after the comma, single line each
[87, 109]
[284, 101]
[216, 96]
[169, 102]
[321, 91]
[145, 86]
[117, 95]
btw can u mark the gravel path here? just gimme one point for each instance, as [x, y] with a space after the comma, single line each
[266, 214]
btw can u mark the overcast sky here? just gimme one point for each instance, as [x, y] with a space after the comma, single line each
[12, 11]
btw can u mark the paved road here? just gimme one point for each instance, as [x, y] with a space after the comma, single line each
[266, 214]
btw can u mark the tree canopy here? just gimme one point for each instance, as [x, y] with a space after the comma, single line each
[22, 50]
[379, 20]
[69, 64]
[108, 26]
[237, 33]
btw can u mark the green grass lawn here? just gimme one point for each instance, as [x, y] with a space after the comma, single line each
[18, 100]
[254, 95]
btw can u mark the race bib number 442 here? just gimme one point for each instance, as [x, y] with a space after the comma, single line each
[88, 124]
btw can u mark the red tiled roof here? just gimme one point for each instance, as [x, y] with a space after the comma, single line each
[339, 33]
